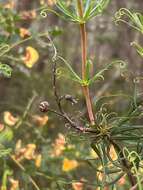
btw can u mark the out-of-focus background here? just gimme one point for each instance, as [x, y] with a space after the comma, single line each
[106, 42]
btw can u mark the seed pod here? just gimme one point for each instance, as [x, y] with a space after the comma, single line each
[70, 98]
[44, 106]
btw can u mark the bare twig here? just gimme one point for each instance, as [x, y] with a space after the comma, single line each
[58, 99]
[23, 169]
[73, 124]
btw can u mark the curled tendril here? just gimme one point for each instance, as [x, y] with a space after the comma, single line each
[44, 13]
[105, 119]
[131, 156]
[112, 114]
[3, 49]
[101, 114]
[122, 64]
[60, 72]
[122, 12]
[135, 20]
[103, 108]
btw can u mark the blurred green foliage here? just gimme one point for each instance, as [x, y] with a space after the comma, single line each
[37, 150]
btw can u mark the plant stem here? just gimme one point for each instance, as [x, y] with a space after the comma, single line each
[84, 59]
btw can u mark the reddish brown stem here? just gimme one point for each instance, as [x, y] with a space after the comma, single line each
[84, 59]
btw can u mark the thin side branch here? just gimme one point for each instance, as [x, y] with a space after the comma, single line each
[55, 87]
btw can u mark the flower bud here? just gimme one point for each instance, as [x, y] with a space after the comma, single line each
[44, 106]
[68, 97]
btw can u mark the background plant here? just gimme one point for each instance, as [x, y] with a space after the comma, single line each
[112, 129]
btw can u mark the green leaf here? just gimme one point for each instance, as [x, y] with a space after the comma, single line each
[7, 173]
[125, 128]
[127, 138]
[138, 48]
[99, 75]
[94, 147]
[91, 8]
[5, 70]
[73, 74]
[4, 151]
[97, 8]
[56, 31]
[63, 8]
[88, 69]
[6, 136]
[87, 7]
[135, 20]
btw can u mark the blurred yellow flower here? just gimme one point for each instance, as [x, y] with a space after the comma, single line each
[29, 153]
[9, 119]
[40, 120]
[112, 153]
[31, 56]
[24, 32]
[38, 160]
[14, 184]
[28, 15]
[77, 186]
[51, 2]
[69, 165]
[9, 5]
[42, 2]
[58, 145]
